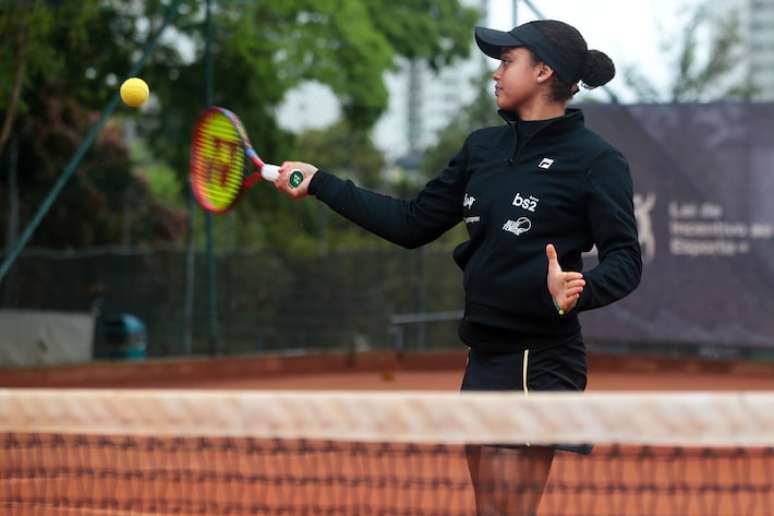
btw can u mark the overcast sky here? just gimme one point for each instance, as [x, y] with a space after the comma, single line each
[631, 32]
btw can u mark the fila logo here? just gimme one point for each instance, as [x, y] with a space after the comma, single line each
[546, 163]
[528, 203]
[522, 225]
[468, 201]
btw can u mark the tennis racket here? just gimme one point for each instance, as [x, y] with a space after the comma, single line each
[221, 157]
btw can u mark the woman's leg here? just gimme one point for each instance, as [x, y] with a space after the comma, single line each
[508, 481]
[511, 481]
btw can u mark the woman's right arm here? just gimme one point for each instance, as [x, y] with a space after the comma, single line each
[409, 223]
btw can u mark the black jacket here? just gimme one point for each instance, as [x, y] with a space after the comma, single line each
[563, 185]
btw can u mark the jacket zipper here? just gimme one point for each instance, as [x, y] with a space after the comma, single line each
[516, 151]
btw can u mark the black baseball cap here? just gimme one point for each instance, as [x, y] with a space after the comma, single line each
[492, 43]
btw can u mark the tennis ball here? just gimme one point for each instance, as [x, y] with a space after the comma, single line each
[134, 92]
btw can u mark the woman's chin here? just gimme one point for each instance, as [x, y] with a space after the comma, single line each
[502, 105]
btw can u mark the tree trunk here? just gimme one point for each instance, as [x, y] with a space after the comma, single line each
[12, 228]
[10, 112]
[190, 276]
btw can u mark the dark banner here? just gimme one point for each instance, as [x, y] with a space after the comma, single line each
[704, 199]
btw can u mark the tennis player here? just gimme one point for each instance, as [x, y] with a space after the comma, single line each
[534, 193]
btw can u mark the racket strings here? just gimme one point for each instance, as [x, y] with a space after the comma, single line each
[217, 161]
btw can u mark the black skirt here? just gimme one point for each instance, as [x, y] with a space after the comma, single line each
[554, 368]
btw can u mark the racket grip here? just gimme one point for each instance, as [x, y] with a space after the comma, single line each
[270, 172]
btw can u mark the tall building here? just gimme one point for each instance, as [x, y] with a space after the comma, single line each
[424, 101]
[756, 19]
[759, 29]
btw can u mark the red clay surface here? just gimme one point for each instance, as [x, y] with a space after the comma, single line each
[381, 371]
[115, 476]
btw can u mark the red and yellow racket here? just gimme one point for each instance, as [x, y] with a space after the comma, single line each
[220, 161]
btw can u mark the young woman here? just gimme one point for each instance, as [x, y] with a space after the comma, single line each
[534, 193]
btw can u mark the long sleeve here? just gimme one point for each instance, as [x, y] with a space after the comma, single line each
[409, 223]
[610, 215]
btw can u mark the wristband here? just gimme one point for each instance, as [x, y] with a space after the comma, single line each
[559, 310]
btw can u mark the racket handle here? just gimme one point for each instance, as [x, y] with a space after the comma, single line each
[270, 172]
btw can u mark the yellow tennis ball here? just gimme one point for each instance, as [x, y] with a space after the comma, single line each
[134, 92]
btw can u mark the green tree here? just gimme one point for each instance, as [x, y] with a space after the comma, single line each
[25, 29]
[715, 74]
[481, 112]
[352, 155]
[264, 49]
[53, 91]
[75, 53]
[310, 228]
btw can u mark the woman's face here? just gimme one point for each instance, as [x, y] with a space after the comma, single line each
[517, 79]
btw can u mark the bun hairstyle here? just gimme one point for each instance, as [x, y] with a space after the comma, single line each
[598, 69]
[595, 67]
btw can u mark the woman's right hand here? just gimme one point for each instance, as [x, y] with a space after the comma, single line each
[283, 181]
[565, 287]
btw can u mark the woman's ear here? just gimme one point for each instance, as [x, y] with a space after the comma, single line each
[545, 73]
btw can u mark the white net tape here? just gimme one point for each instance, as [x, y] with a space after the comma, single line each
[680, 419]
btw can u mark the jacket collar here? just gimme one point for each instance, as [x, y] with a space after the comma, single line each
[572, 119]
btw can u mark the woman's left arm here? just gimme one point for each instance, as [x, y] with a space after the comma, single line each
[610, 212]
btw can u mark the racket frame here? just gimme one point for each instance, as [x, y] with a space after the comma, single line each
[248, 180]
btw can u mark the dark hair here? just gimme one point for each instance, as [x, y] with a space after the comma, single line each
[596, 68]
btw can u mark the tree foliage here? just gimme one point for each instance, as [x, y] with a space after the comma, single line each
[702, 72]
[53, 101]
[74, 54]
[481, 112]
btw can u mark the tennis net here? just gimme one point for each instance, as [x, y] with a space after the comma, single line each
[396, 453]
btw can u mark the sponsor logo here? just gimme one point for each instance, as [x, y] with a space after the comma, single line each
[528, 203]
[521, 225]
[546, 163]
[469, 220]
[643, 205]
[468, 201]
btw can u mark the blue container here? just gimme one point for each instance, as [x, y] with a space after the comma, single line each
[123, 337]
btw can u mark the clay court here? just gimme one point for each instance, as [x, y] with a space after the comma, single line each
[94, 475]
[383, 370]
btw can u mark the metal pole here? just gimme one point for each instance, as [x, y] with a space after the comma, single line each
[484, 10]
[72, 166]
[212, 298]
[421, 297]
[190, 264]
[414, 106]
[534, 9]
[415, 118]
[12, 228]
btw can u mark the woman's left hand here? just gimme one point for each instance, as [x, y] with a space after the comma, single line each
[565, 287]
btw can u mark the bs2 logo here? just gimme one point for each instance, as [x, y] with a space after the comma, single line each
[528, 203]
